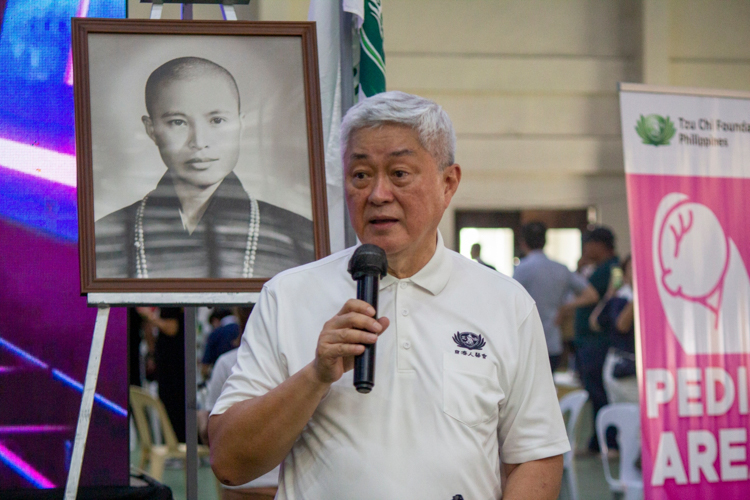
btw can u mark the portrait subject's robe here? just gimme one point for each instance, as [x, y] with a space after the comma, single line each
[217, 247]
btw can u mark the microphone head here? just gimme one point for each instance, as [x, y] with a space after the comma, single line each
[368, 260]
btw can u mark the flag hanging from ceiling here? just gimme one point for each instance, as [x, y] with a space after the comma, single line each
[371, 54]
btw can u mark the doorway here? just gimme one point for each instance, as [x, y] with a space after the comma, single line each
[498, 231]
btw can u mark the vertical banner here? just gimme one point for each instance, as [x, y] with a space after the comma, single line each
[687, 164]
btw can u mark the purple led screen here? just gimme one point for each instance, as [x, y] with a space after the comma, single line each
[45, 325]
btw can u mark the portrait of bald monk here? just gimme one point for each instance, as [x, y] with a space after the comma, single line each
[199, 221]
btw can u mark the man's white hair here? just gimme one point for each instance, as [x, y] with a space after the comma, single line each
[430, 121]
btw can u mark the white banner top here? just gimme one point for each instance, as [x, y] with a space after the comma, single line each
[686, 135]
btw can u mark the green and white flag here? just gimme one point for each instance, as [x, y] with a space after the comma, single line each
[371, 74]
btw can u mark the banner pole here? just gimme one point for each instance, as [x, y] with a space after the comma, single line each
[87, 401]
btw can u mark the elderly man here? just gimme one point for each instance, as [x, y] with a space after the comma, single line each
[462, 376]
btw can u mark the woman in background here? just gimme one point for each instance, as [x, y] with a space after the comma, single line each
[614, 315]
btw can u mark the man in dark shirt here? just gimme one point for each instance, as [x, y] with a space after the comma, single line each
[199, 222]
[592, 346]
[616, 319]
[222, 339]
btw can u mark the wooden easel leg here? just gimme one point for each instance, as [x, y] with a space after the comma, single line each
[87, 402]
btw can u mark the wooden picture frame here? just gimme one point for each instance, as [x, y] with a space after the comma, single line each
[185, 193]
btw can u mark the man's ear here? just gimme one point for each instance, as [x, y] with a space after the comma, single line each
[451, 179]
[148, 124]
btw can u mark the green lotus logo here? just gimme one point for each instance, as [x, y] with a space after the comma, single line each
[655, 130]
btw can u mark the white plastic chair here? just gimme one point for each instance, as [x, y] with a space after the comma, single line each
[626, 418]
[571, 405]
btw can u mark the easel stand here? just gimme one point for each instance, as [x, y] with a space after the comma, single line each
[188, 300]
[103, 302]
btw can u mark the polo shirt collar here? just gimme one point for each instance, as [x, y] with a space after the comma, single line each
[433, 276]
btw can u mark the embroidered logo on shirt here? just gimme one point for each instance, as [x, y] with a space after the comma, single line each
[468, 340]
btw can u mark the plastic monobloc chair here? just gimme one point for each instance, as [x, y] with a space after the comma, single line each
[626, 418]
[571, 406]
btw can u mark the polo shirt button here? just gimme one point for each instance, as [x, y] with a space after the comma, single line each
[406, 344]
[403, 284]
[404, 312]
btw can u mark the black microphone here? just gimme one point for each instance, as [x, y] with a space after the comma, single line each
[367, 266]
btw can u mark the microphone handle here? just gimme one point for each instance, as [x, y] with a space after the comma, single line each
[364, 364]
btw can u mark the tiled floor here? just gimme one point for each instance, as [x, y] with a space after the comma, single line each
[175, 479]
[591, 482]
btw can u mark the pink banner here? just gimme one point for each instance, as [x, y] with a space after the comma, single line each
[687, 165]
[691, 248]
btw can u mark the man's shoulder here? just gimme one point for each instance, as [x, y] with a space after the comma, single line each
[540, 259]
[525, 265]
[559, 268]
[540, 264]
[532, 261]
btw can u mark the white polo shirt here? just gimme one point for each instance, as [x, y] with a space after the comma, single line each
[462, 379]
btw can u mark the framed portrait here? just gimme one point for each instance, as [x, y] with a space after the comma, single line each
[199, 152]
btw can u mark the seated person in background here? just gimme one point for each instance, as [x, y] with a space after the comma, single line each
[614, 315]
[220, 340]
[199, 222]
[264, 487]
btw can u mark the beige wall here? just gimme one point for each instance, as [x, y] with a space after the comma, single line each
[710, 44]
[531, 85]
[532, 88]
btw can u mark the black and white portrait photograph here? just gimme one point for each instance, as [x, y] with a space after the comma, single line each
[201, 165]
